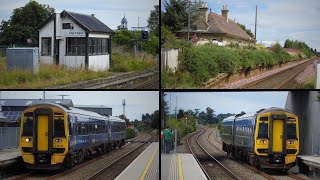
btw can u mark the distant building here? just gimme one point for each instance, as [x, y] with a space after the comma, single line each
[124, 24]
[215, 28]
[12, 108]
[103, 110]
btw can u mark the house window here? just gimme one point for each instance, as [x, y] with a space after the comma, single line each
[76, 46]
[98, 46]
[66, 26]
[46, 46]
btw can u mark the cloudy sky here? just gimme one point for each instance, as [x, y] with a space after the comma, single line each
[109, 12]
[137, 102]
[278, 20]
[227, 102]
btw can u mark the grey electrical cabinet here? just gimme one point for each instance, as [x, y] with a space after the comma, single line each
[23, 58]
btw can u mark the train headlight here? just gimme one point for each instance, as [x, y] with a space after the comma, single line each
[290, 142]
[58, 140]
[263, 141]
[28, 139]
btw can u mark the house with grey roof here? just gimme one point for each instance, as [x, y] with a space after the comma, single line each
[215, 28]
[75, 40]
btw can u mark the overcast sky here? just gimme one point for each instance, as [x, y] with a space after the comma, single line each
[109, 12]
[227, 102]
[278, 20]
[137, 102]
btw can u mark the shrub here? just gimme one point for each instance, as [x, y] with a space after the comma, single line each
[130, 133]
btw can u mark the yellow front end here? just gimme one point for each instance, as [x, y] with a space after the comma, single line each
[281, 147]
[43, 136]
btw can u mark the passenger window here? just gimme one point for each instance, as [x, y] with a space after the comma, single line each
[70, 128]
[79, 128]
[263, 130]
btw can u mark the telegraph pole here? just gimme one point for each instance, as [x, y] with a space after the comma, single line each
[255, 29]
[124, 107]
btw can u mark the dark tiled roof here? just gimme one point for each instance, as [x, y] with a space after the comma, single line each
[219, 25]
[90, 22]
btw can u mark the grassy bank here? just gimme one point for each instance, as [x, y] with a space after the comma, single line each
[51, 75]
[198, 64]
[183, 129]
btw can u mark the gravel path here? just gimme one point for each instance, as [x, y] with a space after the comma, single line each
[306, 74]
[238, 84]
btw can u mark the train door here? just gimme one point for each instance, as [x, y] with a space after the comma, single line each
[277, 136]
[42, 133]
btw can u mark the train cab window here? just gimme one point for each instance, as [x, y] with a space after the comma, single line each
[291, 131]
[28, 125]
[263, 130]
[59, 127]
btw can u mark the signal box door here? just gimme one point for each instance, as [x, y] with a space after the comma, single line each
[42, 132]
[277, 136]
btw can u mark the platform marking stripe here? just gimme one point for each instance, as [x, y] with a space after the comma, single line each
[148, 165]
[180, 168]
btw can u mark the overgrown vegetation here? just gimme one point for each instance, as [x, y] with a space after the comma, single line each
[198, 64]
[130, 133]
[50, 75]
[302, 46]
[123, 61]
[182, 127]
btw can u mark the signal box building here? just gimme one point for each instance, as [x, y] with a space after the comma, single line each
[75, 40]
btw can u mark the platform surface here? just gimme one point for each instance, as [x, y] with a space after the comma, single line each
[145, 166]
[180, 167]
[9, 156]
[311, 160]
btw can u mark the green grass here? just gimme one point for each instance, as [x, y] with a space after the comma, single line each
[126, 62]
[51, 75]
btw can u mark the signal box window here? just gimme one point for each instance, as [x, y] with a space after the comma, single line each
[46, 46]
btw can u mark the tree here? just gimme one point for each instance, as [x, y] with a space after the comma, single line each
[209, 115]
[175, 16]
[124, 118]
[153, 21]
[180, 114]
[155, 120]
[248, 31]
[23, 22]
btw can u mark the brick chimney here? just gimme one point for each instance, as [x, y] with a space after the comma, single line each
[204, 11]
[225, 12]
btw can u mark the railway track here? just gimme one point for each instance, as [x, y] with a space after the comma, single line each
[52, 175]
[281, 79]
[268, 176]
[205, 157]
[121, 80]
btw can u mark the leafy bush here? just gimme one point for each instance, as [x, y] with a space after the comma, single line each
[182, 128]
[130, 133]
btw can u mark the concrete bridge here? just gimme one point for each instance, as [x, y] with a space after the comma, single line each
[306, 105]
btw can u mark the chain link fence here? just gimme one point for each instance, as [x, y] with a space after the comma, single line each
[9, 137]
